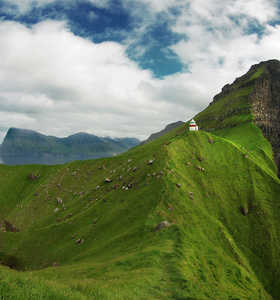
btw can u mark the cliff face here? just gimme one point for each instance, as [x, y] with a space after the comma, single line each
[30, 147]
[265, 101]
[253, 97]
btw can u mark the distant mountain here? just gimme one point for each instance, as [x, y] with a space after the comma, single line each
[22, 146]
[168, 128]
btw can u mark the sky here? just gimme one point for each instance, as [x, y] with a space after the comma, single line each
[124, 68]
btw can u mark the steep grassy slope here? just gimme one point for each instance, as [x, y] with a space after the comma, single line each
[202, 184]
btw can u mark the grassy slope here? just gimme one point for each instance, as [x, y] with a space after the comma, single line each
[211, 250]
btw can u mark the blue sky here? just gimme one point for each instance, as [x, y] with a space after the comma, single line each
[123, 67]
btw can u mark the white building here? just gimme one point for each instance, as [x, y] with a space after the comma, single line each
[193, 126]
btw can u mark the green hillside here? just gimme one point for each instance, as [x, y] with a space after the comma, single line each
[216, 191]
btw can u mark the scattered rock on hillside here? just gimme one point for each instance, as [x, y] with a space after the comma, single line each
[200, 158]
[151, 161]
[33, 176]
[59, 200]
[178, 185]
[108, 180]
[55, 264]
[244, 210]
[200, 168]
[79, 241]
[162, 225]
[9, 227]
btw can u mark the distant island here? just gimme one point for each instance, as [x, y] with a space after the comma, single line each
[21, 146]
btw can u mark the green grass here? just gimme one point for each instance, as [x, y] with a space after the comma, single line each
[200, 182]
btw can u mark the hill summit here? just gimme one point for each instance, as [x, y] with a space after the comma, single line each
[190, 215]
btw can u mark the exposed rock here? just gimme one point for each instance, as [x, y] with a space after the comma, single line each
[33, 176]
[151, 161]
[9, 227]
[162, 225]
[59, 200]
[79, 241]
[199, 158]
[55, 264]
[108, 180]
[244, 210]
[178, 185]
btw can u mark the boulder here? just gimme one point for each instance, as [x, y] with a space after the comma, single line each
[9, 227]
[162, 225]
[59, 200]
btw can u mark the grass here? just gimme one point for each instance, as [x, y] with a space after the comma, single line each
[200, 182]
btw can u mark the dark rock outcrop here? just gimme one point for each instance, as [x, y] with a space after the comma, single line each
[266, 105]
[9, 227]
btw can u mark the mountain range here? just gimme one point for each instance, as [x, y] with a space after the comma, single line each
[21, 146]
[190, 215]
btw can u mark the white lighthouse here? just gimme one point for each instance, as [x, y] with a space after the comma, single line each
[193, 126]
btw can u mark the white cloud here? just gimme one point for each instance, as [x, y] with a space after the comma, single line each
[218, 47]
[60, 83]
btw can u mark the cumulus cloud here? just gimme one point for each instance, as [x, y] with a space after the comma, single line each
[60, 83]
[218, 38]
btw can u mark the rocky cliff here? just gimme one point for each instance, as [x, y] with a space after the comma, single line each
[253, 96]
[265, 101]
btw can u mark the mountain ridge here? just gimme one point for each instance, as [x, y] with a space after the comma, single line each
[21, 146]
[167, 128]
